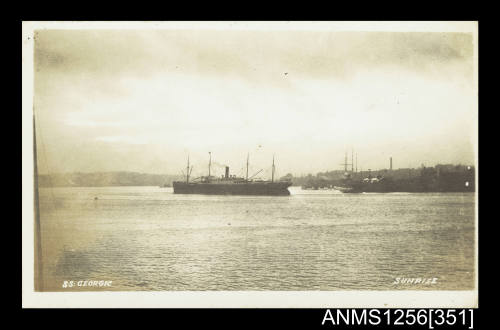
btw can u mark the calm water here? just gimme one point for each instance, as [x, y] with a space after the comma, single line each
[147, 238]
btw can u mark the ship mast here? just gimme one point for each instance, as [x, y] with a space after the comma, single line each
[352, 160]
[187, 171]
[248, 156]
[209, 163]
[346, 163]
[272, 175]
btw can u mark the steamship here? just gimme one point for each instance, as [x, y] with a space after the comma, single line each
[231, 184]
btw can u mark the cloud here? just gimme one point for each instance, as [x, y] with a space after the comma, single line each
[141, 96]
[247, 54]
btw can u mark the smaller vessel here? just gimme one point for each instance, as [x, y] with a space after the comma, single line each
[344, 189]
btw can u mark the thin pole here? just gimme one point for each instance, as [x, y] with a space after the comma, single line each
[352, 160]
[248, 156]
[209, 163]
[272, 176]
[187, 171]
[38, 235]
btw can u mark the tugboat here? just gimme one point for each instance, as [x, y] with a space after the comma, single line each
[231, 184]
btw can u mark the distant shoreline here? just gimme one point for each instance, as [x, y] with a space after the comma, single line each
[293, 186]
[440, 178]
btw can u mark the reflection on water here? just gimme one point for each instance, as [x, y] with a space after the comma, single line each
[147, 238]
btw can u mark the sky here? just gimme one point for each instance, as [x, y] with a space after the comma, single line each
[143, 100]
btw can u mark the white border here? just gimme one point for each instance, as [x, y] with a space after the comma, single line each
[215, 299]
[255, 299]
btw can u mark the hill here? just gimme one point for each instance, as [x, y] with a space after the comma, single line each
[102, 179]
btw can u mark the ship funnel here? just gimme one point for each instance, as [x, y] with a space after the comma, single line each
[227, 172]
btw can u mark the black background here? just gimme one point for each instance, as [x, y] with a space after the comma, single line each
[237, 318]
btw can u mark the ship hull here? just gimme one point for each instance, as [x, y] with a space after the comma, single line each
[248, 188]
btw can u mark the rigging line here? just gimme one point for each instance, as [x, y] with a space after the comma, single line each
[255, 174]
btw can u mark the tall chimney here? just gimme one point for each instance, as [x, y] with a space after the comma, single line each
[227, 172]
[391, 163]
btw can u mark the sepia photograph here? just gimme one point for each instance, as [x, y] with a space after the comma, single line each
[250, 164]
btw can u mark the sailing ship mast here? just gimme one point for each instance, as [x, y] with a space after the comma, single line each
[346, 163]
[352, 160]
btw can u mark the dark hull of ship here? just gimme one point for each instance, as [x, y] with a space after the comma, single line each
[250, 188]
